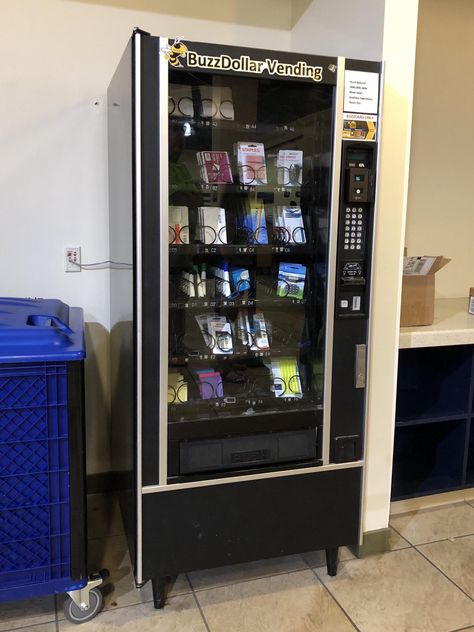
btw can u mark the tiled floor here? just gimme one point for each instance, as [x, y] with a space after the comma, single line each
[424, 584]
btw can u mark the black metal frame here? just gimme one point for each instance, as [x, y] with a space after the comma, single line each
[77, 469]
[348, 403]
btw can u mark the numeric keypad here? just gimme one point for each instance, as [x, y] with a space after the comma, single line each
[353, 228]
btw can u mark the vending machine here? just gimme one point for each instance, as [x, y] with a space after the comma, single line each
[242, 203]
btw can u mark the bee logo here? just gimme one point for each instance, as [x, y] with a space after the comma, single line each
[174, 51]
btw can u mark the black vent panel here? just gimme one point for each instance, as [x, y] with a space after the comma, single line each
[230, 453]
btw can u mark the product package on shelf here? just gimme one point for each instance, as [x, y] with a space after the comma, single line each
[290, 167]
[251, 163]
[214, 167]
[286, 377]
[222, 280]
[289, 222]
[210, 384]
[177, 388]
[240, 278]
[193, 282]
[255, 225]
[291, 280]
[260, 334]
[220, 331]
[202, 280]
[229, 282]
[178, 220]
[216, 102]
[217, 333]
[180, 101]
[211, 225]
[252, 330]
[187, 284]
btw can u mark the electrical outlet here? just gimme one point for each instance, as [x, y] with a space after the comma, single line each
[72, 259]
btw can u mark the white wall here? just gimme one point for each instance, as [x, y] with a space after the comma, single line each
[58, 57]
[386, 31]
[339, 28]
[440, 216]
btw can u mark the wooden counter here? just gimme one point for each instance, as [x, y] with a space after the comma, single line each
[452, 326]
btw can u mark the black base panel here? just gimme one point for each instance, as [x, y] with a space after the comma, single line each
[205, 527]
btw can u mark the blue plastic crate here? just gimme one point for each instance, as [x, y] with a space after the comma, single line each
[33, 489]
[33, 522]
[25, 457]
[23, 424]
[22, 388]
[34, 476]
[37, 581]
[38, 338]
[34, 554]
[32, 385]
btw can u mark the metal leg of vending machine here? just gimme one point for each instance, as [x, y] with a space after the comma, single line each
[332, 555]
[159, 586]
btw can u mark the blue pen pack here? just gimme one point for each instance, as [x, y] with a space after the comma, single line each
[256, 225]
[240, 279]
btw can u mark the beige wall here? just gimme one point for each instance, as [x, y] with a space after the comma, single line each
[440, 217]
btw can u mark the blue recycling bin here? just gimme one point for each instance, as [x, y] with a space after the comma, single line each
[42, 456]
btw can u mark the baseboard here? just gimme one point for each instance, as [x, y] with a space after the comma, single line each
[374, 542]
[432, 500]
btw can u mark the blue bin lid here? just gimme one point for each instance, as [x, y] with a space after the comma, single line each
[40, 330]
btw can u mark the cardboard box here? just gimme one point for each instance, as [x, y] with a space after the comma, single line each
[418, 289]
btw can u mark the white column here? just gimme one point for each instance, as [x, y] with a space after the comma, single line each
[399, 48]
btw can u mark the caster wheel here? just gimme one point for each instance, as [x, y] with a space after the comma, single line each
[74, 614]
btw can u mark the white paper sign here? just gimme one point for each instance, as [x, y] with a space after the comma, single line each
[361, 92]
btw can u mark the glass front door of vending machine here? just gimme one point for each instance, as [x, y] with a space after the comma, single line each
[248, 224]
